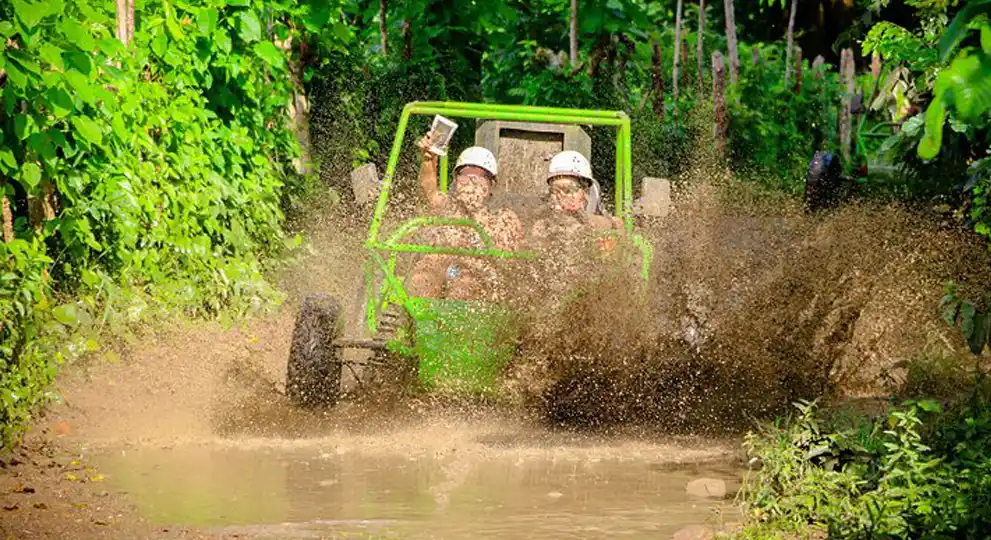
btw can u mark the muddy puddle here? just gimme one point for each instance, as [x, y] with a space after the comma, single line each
[279, 492]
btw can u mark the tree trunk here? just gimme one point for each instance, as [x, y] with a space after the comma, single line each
[734, 57]
[573, 34]
[130, 20]
[298, 108]
[408, 41]
[719, 102]
[122, 22]
[8, 221]
[658, 80]
[791, 41]
[383, 26]
[125, 21]
[798, 69]
[847, 71]
[677, 53]
[755, 56]
[699, 51]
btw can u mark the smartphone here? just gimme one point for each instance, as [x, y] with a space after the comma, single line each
[441, 133]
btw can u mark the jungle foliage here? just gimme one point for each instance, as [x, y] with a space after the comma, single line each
[155, 176]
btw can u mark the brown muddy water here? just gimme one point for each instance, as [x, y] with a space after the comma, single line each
[326, 491]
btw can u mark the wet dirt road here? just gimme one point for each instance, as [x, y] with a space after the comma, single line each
[189, 436]
[304, 493]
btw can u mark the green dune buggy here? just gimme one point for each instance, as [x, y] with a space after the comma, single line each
[446, 345]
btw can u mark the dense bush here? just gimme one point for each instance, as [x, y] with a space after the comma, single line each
[919, 472]
[166, 160]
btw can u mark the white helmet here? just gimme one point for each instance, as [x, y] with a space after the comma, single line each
[570, 163]
[479, 157]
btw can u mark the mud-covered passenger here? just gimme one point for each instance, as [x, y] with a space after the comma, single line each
[459, 277]
[573, 216]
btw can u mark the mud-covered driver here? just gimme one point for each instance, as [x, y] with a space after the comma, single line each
[464, 278]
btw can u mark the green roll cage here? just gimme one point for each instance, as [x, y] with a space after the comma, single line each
[384, 252]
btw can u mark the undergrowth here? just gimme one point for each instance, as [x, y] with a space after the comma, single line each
[919, 471]
[162, 163]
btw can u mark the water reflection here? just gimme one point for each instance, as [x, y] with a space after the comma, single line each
[283, 493]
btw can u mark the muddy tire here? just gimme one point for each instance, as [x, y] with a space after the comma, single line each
[313, 373]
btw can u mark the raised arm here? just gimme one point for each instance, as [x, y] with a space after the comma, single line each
[428, 176]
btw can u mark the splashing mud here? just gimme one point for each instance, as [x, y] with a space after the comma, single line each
[753, 305]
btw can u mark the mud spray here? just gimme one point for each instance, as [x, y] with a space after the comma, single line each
[751, 305]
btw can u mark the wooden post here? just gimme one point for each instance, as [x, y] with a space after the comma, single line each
[847, 69]
[658, 80]
[719, 102]
[699, 51]
[816, 65]
[791, 41]
[677, 53]
[798, 69]
[734, 57]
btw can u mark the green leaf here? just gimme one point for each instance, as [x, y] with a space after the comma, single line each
[29, 14]
[58, 138]
[343, 32]
[6, 29]
[77, 35]
[967, 312]
[249, 28]
[7, 160]
[17, 78]
[88, 129]
[24, 126]
[81, 62]
[174, 29]
[932, 140]
[206, 21]
[959, 27]
[318, 16]
[119, 129]
[929, 405]
[40, 144]
[160, 44]
[267, 51]
[223, 40]
[61, 102]
[30, 175]
[67, 314]
[51, 54]
[80, 85]
[27, 62]
[986, 39]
